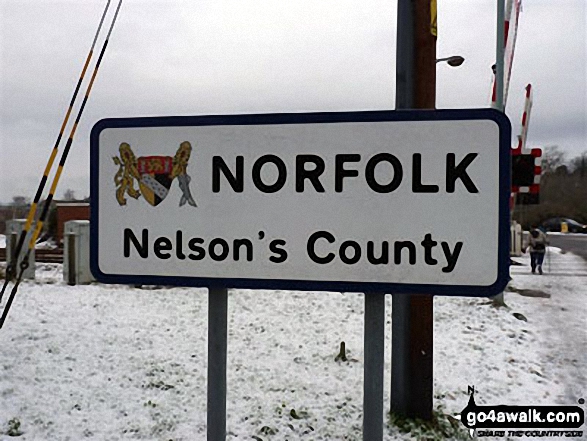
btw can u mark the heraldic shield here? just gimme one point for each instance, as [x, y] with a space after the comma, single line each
[154, 175]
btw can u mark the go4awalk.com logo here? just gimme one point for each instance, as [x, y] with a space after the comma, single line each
[522, 421]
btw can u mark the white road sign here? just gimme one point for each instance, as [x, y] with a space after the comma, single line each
[362, 201]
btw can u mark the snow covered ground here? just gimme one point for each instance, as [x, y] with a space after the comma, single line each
[115, 362]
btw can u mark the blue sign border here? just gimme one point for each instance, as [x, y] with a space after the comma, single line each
[315, 118]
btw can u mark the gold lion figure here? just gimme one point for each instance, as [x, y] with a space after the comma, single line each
[127, 173]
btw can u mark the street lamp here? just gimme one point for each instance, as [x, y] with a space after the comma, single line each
[454, 61]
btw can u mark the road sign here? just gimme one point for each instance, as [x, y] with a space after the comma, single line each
[357, 201]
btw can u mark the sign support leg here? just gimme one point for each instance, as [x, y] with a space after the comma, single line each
[400, 319]
[217, 347]
[374, 366]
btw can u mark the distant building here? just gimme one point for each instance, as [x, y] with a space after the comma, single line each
[67, 211]
[10, 211]
[64, 211]
[5, 214]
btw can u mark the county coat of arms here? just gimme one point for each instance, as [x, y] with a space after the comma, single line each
[154, 175]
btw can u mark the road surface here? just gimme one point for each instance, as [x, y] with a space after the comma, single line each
[574, 243]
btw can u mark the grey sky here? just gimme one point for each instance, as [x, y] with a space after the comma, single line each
[243, 56]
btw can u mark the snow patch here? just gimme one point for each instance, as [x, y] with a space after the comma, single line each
[117, 362]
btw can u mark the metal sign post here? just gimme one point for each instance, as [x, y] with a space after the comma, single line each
[374, 366]
[217, 349]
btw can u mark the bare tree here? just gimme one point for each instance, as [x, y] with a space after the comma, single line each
[553, 158]
[579, 165]
[20, 201]
[19, 206]
[563, 190]
[69, 195]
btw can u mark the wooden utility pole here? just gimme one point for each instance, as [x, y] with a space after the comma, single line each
[412, 315]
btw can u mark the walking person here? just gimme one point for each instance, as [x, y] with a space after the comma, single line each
[536, 245]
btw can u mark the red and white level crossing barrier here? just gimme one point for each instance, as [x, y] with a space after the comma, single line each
[521, 148]
[513, 7]
[526, 163]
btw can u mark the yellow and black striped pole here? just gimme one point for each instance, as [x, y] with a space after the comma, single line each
[25, 262]
[12, 267]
